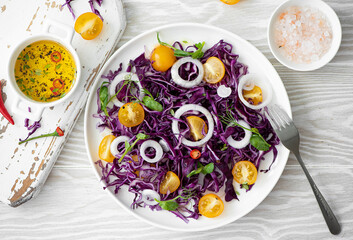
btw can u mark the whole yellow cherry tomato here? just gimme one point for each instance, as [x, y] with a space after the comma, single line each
[162, 58]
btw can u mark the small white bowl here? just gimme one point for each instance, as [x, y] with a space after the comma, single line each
[331, 17]
[53, 31]
[259, 81]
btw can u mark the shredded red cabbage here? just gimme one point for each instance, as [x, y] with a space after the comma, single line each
[32, 128]
[158, 126]
[91, 3]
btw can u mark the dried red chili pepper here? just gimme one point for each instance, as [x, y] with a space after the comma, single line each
[3, 110]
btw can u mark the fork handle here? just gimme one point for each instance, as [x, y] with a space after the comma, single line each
[330, 218]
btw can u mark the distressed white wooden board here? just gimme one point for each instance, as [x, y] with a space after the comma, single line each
[24, 169]
[72, 204]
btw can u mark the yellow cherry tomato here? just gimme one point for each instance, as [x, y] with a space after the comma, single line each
[214, 70]
[253, 96]
[131, 114]
[104, 149]
[197, 125]
[230, 2]
[170, 183]
[244, 172]
[162, 58]
[88, 25]
[211, 205]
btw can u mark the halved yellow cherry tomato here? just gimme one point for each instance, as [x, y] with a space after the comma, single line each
[211, 205]
[170, 183]
[131, 114]
[244, 172]
[230, 2]
[88, 25]
[162, 58]
[253, 96]
[214, 70]
[104, 149]
[197, 125]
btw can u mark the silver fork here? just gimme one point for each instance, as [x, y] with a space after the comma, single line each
[289, 136]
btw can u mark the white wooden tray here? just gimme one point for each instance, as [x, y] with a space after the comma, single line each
[24, 168]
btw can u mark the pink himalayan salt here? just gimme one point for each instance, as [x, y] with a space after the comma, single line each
[303, 34]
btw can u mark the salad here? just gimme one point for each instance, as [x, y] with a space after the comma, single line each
[180, 137]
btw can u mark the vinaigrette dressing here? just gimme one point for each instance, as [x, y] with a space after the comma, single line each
[45, 71]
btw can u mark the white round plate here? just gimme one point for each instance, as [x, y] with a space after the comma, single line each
[256, 62]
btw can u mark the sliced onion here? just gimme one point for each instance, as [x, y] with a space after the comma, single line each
[249, 85]
[149, 195]
[116, 142]
[156, 146]
[179, 80]
[193, 107]
[224, 91]
[148, 52]
[245, 141]
[119, 78]
[164, 145]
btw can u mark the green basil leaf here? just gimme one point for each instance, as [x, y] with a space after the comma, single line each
[152, 104]
[194, 172]
[142, 136]
[259, 143]
[103, 97]
[208, 168]
[246, 186]
[168, 205]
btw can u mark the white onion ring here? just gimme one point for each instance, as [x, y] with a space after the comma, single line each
[116, 142]
[156, 146]
[179, 80]
[245, 141]
[224, 91]
[189, 107]
[249, 85]
[149, 195]
[119, 78]
[164, 145]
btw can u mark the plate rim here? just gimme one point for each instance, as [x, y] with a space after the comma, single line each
[93, 92]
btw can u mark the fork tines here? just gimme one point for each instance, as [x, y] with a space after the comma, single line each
[277, 117]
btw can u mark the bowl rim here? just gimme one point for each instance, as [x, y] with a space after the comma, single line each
[336, 29]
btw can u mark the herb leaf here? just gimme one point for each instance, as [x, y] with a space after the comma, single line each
[208, 168]
[202, 169]
[152, 104]
[245, 185]
[170, 205]
[256, 139]
[103, 97]
[259, 143]
[129, 147]
[180, 53]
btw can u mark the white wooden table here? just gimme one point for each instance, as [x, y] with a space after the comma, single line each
[72, 204]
